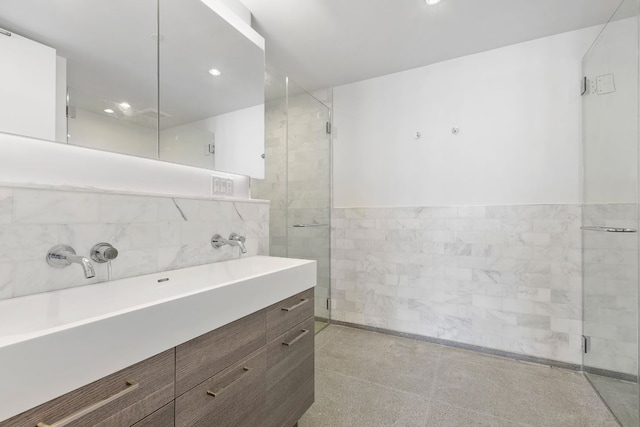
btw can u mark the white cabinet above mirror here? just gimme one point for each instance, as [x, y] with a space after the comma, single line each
[175, 80]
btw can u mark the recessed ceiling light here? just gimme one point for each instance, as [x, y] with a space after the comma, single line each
[430, 2]
[215, 72]
[124, 105]
[109, 111]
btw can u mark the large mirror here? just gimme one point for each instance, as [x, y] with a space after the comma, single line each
[164, 79]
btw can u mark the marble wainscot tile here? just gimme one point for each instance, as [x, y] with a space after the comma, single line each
[503, 277]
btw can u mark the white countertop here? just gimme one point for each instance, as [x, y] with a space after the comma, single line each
[55, 342]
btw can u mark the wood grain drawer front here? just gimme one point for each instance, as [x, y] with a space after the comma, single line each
[163, 417]
[290, 375]
[121, 399]
[205, 356]
[287, 313]
[234, 397]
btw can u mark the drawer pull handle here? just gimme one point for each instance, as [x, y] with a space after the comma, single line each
[217, 393]
[296, 339]
[293, 307]
[131, 386]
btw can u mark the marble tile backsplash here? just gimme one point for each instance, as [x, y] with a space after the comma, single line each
[502, 277]
[151, 233]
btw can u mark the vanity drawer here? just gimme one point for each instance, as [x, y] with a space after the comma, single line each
[120, 399]
[163, 417]
[286, 314]
[290, 375]
[234, 397]
[205, 356]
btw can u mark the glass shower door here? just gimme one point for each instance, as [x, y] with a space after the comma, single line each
[610, 214]
[309, 189]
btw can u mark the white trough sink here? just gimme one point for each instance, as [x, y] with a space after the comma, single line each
[55, 342]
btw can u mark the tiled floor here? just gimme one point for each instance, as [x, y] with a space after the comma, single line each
[622, 397]
[369, 379]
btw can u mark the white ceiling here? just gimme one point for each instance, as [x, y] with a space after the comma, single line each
[325, 43]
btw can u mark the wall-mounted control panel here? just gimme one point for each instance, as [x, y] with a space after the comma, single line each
[221, 186]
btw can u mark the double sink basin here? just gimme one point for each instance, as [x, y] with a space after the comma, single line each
[55, 342]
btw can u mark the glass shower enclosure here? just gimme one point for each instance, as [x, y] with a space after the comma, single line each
[298, 181]
[610, 214]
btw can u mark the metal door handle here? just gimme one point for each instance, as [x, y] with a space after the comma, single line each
[293, 307]
[217, 393]
[309, 225]
[296, 339]
[606, 229]
[131, 386]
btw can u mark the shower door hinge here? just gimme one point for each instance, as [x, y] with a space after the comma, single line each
[586, 344]
[328, 128]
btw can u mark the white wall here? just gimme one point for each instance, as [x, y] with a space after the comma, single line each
[518, 111]
[187, 145]
[239, 140]
[611, 119]
[27, 87]
[93, 130]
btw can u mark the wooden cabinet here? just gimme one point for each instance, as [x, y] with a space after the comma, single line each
[287, 313]
[163, 417]
[234, 397]
[290, 375]
[202, 357]
[120, 399]
[256, 371]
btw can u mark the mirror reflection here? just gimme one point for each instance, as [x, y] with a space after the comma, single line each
[191, 92]
[211, 93]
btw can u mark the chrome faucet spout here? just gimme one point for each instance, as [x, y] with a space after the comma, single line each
[237, 240]
[217, 241]
[63, 256]
[87, 267]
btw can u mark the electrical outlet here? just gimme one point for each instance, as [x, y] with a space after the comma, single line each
[221, 186]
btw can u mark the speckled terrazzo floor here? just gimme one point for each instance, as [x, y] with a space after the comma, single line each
[369, 379]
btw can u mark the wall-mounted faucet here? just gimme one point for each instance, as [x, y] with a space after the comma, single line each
[62, 256]
[103, 252]
[217, 241]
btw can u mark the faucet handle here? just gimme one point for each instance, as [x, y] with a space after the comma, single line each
[103, 252]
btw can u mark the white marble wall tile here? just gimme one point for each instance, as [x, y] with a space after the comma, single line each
[32, 277]
[610, 288]
[505, 277]
[151, 233]
[178, 209]
[6, 205]
[21, 242]
[54, 207]
[125, 209]
[6, 280]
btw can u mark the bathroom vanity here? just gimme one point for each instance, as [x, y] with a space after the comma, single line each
[230, 343]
